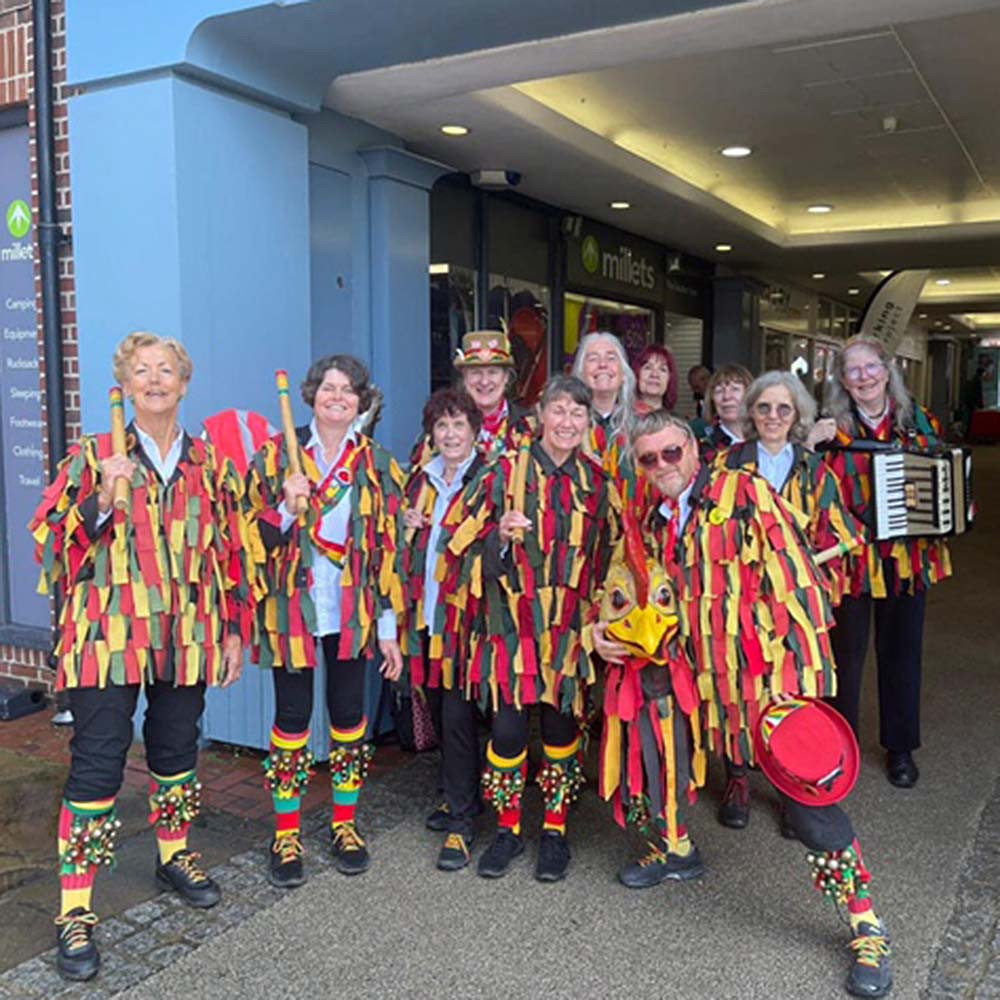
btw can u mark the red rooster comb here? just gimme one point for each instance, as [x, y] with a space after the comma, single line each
[635, 556]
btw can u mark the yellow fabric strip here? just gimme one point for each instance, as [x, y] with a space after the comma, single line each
[349, 735]
[505, 763]
[296, 743]
[561, 753]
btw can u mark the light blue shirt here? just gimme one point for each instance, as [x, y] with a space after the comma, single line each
[682, 509]
[775, 468]
[325, 590]
[445, 492]
[165, 465]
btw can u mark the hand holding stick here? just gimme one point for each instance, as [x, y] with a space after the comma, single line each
[841, 549]
[291, 440]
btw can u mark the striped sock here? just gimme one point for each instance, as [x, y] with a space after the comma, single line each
[86, 839]
[560, 780]
[503, 783]
[286, 773]
[174, 801]
[349, 761]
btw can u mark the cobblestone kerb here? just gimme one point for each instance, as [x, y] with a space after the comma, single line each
[967, 965]
[150, 936]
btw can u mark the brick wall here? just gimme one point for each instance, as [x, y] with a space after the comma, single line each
[16, 89]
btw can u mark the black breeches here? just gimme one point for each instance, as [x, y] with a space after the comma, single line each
[345, 692]
[510, 729]
[102, 734]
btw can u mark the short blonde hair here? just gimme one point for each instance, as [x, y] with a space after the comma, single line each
[122, 363]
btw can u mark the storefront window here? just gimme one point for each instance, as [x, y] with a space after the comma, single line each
[453, 314]
[800, 359]
[823, 356]
[633, 324]
[775, 351]
[524, 309]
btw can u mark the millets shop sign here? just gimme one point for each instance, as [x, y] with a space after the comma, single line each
[606, 261]
[621, 265]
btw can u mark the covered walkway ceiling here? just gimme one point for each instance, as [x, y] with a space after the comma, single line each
[887, 112]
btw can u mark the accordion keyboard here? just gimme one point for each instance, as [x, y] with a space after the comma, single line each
[912, 495]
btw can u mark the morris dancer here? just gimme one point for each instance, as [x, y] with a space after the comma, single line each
[868, 401]
[486, 371]
[602, 365]
[154, 599]
[436, 640]
[777, 416]
[536, 551]
[755, 616]
[725, 394]
[331, 582]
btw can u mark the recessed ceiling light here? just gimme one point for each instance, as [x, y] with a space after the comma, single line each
[723, 247]
[818, 275]
[937, 322]
[454, 130]
[620, 205]
[947, 326]
[736, 152]
[819, 209]
[853, 291]
[922, 316]
[943, 281]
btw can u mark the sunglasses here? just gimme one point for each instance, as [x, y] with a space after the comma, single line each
[669, 456]
[783, 410]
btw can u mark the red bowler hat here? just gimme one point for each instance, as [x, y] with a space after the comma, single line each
[808, 751]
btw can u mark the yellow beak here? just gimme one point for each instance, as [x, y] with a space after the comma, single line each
[645, 631]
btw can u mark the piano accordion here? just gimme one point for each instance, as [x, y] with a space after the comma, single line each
[921, 494]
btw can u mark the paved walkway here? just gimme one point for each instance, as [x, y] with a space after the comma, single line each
[751, 928]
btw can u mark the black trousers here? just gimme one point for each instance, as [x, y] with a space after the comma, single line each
[456, 725]
[899, 637]
[102, 734]
[510, 729]
[345, 692]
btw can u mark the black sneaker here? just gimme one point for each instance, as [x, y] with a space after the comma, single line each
[455, 853]
[437, 818]
[658, 866]
[78, 958]
[499, 855]
[871, 973]
[183, 875]
[734, 810]
[350, 855]
[285, 856]
[553, 857]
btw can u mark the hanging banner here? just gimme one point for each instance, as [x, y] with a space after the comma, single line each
[890, 307]
[22, 462]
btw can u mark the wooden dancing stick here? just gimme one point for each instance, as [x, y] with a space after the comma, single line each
[118, 446]
[419, 505]
[841, 549]
[291, 440]
[520, 486]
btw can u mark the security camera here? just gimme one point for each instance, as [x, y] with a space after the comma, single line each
[496, 180]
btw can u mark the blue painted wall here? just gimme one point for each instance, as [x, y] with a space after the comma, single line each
[191, 218]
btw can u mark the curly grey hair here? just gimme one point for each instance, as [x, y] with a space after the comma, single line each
[622, 414]
[805, 405]
[837, 401]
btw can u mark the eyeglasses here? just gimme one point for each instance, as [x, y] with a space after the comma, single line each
[783, 410]
[669, 456]
[856, 372]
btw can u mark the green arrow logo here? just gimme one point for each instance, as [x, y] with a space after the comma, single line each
[18, 218]
[590, 253]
